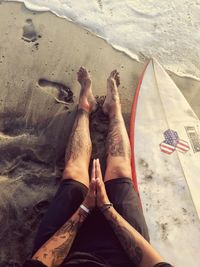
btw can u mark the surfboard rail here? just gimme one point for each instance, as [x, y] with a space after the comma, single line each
[132, 127]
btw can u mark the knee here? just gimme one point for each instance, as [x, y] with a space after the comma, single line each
[70, 173]
[72, 170]
[79, 173]
[117, 171]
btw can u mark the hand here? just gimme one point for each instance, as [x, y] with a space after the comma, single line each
[101, 195]
[96, 195]
[90, 199]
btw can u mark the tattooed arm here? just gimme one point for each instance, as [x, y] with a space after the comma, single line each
[138, 249]
[140, 252]
[55, 250]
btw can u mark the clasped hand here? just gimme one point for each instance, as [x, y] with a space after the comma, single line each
[96, 195]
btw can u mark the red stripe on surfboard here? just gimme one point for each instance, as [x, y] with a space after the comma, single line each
[132, 128]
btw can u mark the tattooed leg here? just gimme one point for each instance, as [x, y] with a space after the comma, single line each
[78, 151]
[118, 146]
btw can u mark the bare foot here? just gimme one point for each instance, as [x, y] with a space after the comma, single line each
[112, 101]
[86, 99]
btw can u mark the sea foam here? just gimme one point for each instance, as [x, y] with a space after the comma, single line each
[167, 30]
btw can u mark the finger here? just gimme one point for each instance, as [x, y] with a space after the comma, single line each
[92, 187]
[100, 187]
[93, 174]
[98, 184]
[92, 183]
[98, 169]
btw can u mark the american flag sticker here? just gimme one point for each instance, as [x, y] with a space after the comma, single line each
[168, 149]
[182, 146]
[172, 143]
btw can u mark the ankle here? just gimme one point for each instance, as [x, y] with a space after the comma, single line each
[115, 111]
[84, 106]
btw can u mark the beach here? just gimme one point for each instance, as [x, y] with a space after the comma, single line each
[40, 54]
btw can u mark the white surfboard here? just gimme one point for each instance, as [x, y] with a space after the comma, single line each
[165, 139]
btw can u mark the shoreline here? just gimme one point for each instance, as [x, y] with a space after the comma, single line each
[139, 29]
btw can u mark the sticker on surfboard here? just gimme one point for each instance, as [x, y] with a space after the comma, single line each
[172, 142]
[194, 138]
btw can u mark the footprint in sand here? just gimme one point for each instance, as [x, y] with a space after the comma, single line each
[29, 33]
[59, 91]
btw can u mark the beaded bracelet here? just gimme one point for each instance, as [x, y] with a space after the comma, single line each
[106, 207]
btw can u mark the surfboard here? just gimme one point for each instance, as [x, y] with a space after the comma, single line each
[165, 144]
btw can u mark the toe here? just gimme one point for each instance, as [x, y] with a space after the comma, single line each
[79, 71]
[117, 78]
[79, 75]
[113, 73]
[82, 73]
[85, 72]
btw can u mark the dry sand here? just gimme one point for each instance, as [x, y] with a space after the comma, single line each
[39, 57]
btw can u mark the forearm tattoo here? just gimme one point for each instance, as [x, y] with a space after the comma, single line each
[80, 137]
[64, 237]
[116, 143]
[127, 240]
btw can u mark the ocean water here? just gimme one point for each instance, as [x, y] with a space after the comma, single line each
[167, 30]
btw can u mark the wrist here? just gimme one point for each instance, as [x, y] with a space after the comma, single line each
[86, 208]
[102, 201]
[105, 207]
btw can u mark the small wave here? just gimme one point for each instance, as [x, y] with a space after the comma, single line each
[160, 29]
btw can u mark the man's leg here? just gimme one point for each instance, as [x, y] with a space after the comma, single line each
[118, 146]
[118, 177]
[79, 147]
[73, 187]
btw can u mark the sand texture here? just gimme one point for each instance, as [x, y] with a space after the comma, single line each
[39, 57]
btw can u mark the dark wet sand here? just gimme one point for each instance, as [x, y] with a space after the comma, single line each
[39, 57]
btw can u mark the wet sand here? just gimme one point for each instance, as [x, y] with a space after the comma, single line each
[39, 57]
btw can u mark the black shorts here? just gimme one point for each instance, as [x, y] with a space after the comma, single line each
[95, 235]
